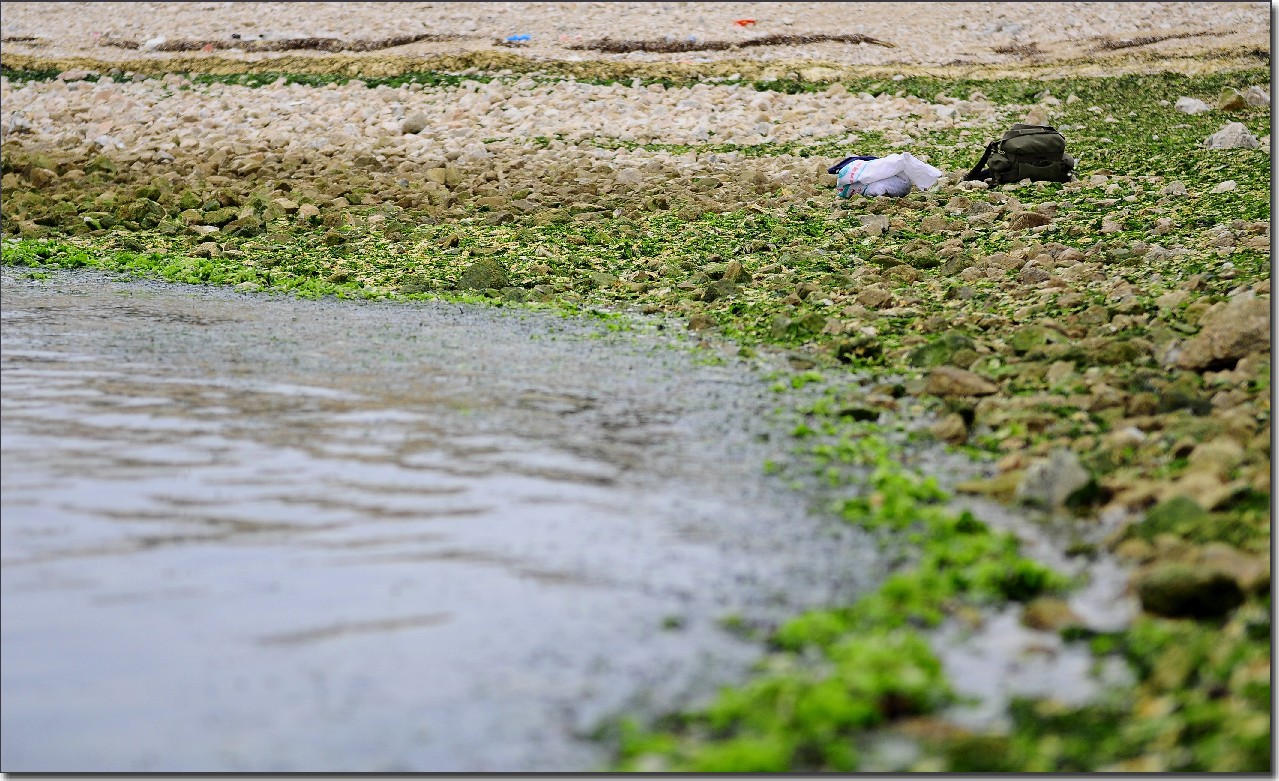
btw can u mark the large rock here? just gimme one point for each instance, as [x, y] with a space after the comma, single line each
[947, 381]
[952, 429]
[1179, 515]
[720, 288]
[1191, 106]
[1232, 136]
[1049, 483]
[939, 351]
[1231, 100]
[1023, 220]
[144, 211]
[483, 274]
[1250, 571]
[1183, 590]
[245, 227]
[42, 177]
[1240, 327]
[874, 224]
[875, 297]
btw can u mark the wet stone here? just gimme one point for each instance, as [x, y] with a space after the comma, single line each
[1050, 483]
[483, 274]
[947, 381]
[1182, 590]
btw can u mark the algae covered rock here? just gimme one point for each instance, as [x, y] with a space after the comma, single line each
[1181, 590]
[940, 351]
[483, 274]
[143, 211]
[1179, 515]
[220, 216]
[245, 227]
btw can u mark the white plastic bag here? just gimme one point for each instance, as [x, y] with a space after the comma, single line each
[857, 175]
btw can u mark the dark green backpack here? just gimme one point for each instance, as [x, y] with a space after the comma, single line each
[1034, 152]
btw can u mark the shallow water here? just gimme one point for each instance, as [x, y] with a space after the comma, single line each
[245, 532]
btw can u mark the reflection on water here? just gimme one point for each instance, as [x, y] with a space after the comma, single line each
[244, 533]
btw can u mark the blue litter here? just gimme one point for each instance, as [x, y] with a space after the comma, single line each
[523, 37]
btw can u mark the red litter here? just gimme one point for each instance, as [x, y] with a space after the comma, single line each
[744, 22]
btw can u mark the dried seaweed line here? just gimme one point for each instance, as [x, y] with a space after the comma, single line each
[1110, 44]
[1026, 49]
[119, 43]
[788, 40]
[611, 46]
[287, 44]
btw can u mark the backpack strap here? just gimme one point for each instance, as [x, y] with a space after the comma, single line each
[976, 172]
[834, 169]
[1030, 130]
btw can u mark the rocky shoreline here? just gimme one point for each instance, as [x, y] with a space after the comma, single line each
[1102, 346]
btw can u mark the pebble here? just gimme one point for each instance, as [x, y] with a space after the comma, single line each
[414, 123]
[461, 120]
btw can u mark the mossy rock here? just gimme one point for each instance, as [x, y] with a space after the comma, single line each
[808, 325]
[941, 351]
[596, 279]
[1026, 339]
[131, 243]
[30, 230]
[220, 217]
[980, 754]
[1184, 591]
[98, 220]
[858, 348]
[953, 266]
[64, 214]
[188, 200]
[483, 274]
[720, 288]
[101, 163]
[245, 227]
[1184, 393]
[415, 283]
[148, 191]
[1179, 515]
[1116, 353]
